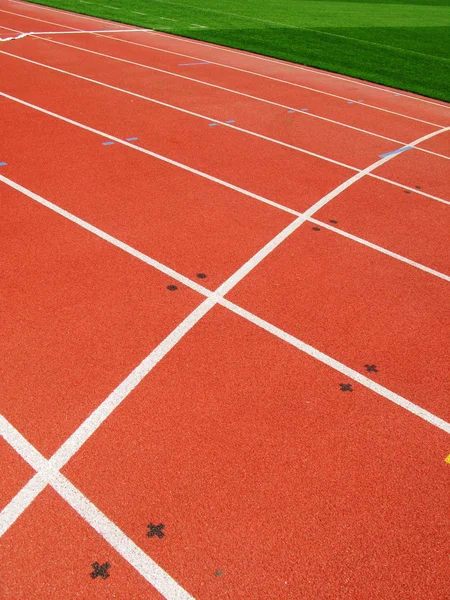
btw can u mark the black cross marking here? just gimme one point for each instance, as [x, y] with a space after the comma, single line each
[155, 530]
[371, 368]
[346, 387]
[100, 570]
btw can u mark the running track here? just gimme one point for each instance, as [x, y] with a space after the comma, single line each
[224, 323]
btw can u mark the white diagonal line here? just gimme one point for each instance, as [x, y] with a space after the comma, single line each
[123, 545]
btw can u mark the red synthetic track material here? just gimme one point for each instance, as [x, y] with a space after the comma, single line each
[271, 481]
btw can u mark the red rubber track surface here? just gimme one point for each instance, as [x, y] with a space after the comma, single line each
[289, 435]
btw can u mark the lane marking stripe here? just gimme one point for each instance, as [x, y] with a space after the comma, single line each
[246, 53]
[256, 74]
[247, 71]
[36, 33]
[185, 111]
[229, 90]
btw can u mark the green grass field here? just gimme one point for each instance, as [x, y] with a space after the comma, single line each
[400, 43]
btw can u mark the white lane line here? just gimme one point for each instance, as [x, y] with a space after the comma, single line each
[106, 408]
[38, 33]
[135, 12]
[291, 83]
[148, 568]
[338, 366]
[406, 187]
[21, 501]
[60, 12]
[314, 70]
[230, 90]
[200, 173]
[261, 75]
[117, 396]
[382, 250]
[248, 54]
[112, 7]
[307, 114]
[178, 276]
[123, 545]
[368, 170]
[183, 110]
[145, 151]
[105, 236]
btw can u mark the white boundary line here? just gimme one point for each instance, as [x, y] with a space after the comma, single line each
[37, 33]
[246, 53]
[228, 90]
[250, 73]
[62, 11]
[284, 81]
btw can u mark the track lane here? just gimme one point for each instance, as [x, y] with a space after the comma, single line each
[414, 106]
[279, 123]
[190, 223]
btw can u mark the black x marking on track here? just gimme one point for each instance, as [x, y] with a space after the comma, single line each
[346, 387]
[155, 530]
[100, 570]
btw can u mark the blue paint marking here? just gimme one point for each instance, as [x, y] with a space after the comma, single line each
[107, 143]
[2, 164]
[291, 111]
[194, 63]
[212, 124]
[304, 109]
[230, 121]
[132, 139]
[396, 151]
[350, 102]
